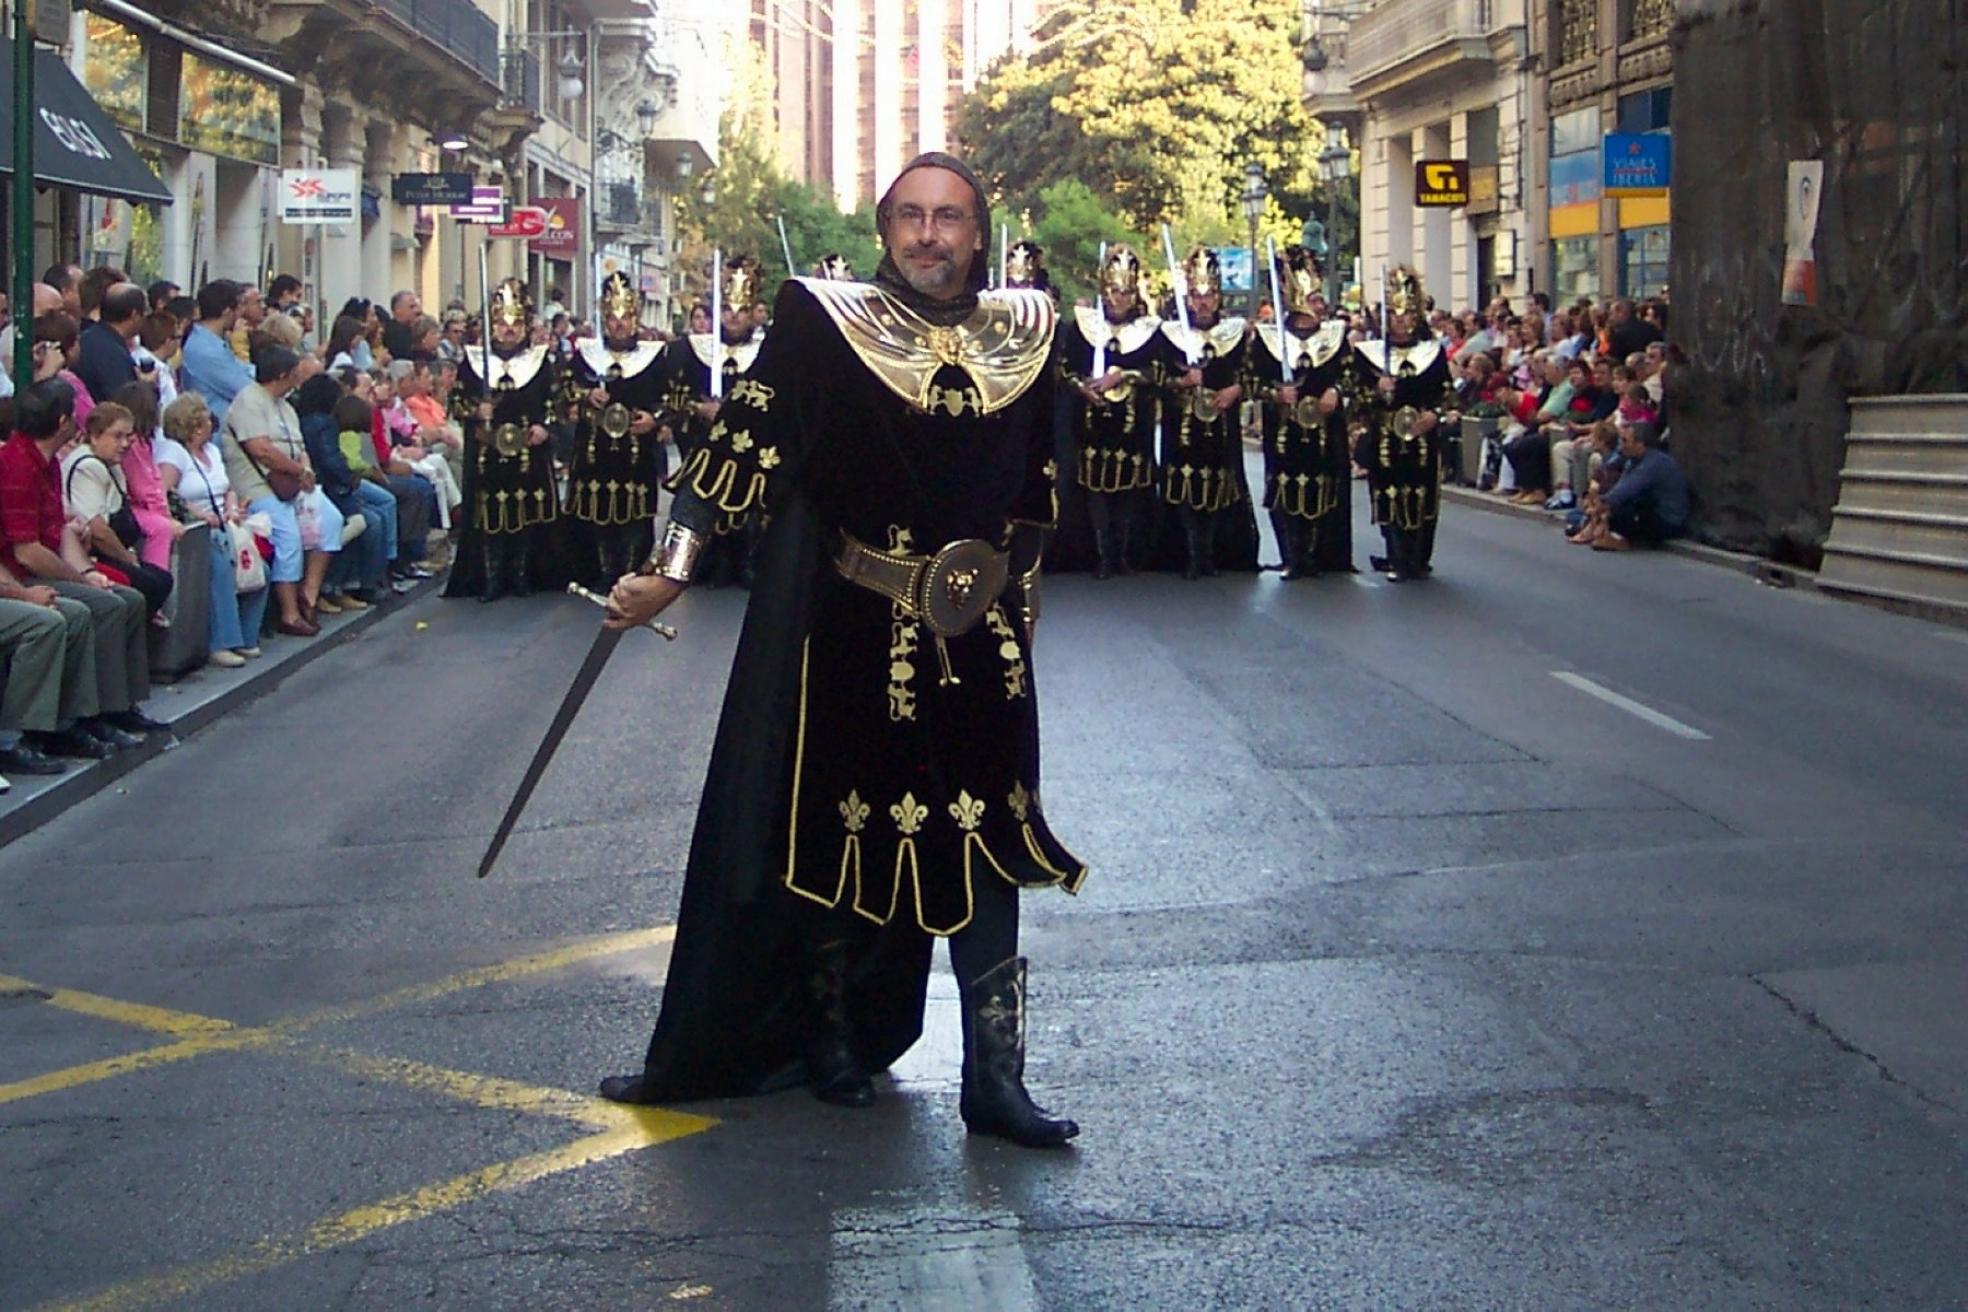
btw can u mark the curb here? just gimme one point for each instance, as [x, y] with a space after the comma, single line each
[84, 779]
[1756, 567]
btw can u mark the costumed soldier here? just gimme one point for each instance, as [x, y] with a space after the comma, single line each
[1201, 384]
[1110, 352]
[617, 389]
[1405, 393]
[1308, 481]
[730, 348]
[1025, 268]
[875, 782]
[834, 267]
[509, 491]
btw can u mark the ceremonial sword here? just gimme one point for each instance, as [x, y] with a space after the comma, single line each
[570, 706]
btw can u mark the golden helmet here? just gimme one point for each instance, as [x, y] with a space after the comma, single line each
[619, 297]
[1121, 271]
[1202, 271]
[834, 267]
[511, 304]
[1025, 265]
[741, 280]
[1299, 279]
[1404, 294]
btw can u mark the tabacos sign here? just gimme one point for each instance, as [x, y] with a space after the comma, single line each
[1441, 183]
[319, 196]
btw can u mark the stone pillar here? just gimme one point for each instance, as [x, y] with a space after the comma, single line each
[1437, 236]
[343, 143]
[297, 246]
[378, 163]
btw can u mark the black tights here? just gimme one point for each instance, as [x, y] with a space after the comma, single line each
[987, 942]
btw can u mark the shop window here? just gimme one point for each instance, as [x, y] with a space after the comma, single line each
[1574, 270]
[1647, 111]
[1575, 171]
[226, 112]
[1643, 261]
[115, 70]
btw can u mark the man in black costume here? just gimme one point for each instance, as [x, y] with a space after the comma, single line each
[1110, 353]
[1406, 394]
[616, 387]
[1201, 386]
[1307, 464]
[730, 348]
[509, 489]
[875, 781]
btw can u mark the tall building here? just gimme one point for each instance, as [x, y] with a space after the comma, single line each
[862, 86]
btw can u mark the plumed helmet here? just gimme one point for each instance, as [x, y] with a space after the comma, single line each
[1202, 271]
[1025, 265]
[1299, 279]
[1404, 293]
[1121, 270]
[511, 303]
[834, 267]
[741, 280]
[619, 297]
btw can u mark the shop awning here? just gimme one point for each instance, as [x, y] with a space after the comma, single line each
[75, 143]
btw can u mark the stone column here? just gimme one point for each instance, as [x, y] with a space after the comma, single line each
[297, 246]
[343, 143]
[378, 256]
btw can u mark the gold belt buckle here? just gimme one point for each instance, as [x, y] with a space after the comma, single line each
[509, 440]
[615, 419]
[958, 584]
[1202, 404]
[1306, 413]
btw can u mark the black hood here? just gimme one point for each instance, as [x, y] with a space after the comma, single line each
[890, 277]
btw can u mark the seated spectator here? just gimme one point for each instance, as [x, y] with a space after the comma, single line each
[262, 443]
[411, 498]
[57, 346]
[252, 315]
[1576, 462]
[355, 578]
[94, 495]
[1529, 453]
[103, 362]
[191, 464]
[422, 436]
[424, 337]
[143, 483]
[161, 293]
[44, 640]
[42, 547]
[1650, 503]
[347, 347]
[451, 342]
[156, 355]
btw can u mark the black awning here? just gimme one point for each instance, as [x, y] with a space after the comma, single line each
[75, 143]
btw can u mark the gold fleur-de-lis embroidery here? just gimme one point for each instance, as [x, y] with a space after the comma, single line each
[769, 457]
[718, 431]
[1020, 801]
[855, 811]
[742, 443]
[1051, 470]
[967, 811]
[909, 814]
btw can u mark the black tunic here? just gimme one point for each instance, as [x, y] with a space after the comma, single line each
[848, 772]
[1201, 456]
[1306, 474]
[1116, 440]
[508, 494]
[616, 473]
[685, 371]
[1403, 467]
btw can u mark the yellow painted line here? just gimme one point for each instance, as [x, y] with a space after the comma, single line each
[71, 1077]
[538, 963]
[488, 1091]
[164, 1021]
[650, 1126]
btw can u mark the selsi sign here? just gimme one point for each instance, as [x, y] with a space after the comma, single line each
[1441, 183]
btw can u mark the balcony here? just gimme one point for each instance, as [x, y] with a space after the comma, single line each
[454, 26]
[434, 62]
[1399, 40]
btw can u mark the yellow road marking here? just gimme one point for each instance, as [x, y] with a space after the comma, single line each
[110, 1067]
[136, 1014]
[487, 1091]
[650, 1126]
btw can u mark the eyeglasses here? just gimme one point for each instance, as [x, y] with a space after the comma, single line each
[943, 216]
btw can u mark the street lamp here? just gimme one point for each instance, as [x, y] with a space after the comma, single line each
[1335, 166]
[1253, 198]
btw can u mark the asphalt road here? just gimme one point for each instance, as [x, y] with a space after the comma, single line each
[1410, 974]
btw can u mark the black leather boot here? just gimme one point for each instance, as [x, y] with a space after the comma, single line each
[1103, 544]
[1296, 550]
[495, 567]
[1193, 541]
[832, 1070]
[994, 1099]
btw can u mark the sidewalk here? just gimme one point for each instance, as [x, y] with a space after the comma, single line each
[188, 705]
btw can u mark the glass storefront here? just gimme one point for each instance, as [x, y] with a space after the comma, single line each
[1575, 270]
[1643, 261]
[228, 113]
[116, 72]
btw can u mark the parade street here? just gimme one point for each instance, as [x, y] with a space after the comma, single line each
[1568, 930]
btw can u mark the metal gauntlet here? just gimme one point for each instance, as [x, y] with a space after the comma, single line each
[676, 555]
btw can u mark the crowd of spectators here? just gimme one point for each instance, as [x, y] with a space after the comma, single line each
[313, 476]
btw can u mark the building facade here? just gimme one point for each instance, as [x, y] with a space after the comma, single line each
[1427, 84]
[1605, 67]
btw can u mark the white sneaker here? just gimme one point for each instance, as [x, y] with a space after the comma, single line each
[227, 660]
[250, 653]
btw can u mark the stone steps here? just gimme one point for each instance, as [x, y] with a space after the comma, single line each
[1899, 533]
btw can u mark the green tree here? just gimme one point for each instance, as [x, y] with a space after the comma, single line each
[1155, 105]
[1072, 224]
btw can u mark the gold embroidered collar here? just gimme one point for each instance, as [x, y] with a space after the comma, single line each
[1321, 346]
[706, 346]
[1392, 359]
[1131, 336]
[518, 371]
[1003, 346]
[601, 359]
[1210, 343]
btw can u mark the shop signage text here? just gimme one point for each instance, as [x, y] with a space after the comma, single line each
[527, 221]
[562, 235]
[488, 205]
[319, 196]
[1441, 183]
[431, 188]
[1638, 163]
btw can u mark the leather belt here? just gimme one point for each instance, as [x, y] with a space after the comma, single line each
[948, 592]
[509, 440]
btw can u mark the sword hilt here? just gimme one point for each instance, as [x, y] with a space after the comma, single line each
[589, 594]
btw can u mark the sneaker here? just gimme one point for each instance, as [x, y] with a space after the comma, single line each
[135, 721]
[227, 660]
[328, 605]
[250, 653]
[420, 572]
[1562, 499]
[401, 586]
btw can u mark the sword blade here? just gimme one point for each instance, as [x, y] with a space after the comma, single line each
[570, 706]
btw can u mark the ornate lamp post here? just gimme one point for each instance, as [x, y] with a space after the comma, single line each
[1335, 167]
[1254, 195]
